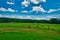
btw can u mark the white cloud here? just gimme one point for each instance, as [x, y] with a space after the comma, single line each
[10, 3]
[37, 1]
[3, 9]
[38, 18]
[51, 16]
[28, 17]
[42, 18]
[38, 9]
[9, 9]
[12, 16]
[24, 17]
[43, 0]
[53, 10]
[25, 11]
[6, 16]
[58, 9]
[25, 3]
[21, 17]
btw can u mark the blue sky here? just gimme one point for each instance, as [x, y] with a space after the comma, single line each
[30, 9]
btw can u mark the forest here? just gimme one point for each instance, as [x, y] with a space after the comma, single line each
[16, 20]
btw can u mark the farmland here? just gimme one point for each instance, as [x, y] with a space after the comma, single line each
[29, 31]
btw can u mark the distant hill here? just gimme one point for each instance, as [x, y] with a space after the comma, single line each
[16, 20]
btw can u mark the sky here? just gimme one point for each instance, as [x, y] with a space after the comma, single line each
[30, 9]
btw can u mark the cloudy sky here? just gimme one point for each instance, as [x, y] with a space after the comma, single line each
[30, 9]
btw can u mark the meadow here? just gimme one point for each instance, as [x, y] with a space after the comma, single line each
[29, 31]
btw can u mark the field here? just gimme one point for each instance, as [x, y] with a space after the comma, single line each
[29, 31]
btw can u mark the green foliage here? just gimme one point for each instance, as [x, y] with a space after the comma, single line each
[54, 20]
[15, 20]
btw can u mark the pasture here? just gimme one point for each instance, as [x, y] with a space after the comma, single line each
[29, 31]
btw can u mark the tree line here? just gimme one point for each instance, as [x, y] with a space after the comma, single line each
[15, 20]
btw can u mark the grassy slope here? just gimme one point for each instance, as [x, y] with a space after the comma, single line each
[19, 31]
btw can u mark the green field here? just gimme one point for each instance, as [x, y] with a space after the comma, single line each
[29, 31]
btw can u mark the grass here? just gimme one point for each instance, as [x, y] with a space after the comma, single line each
[21, 31]
[44, 26]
